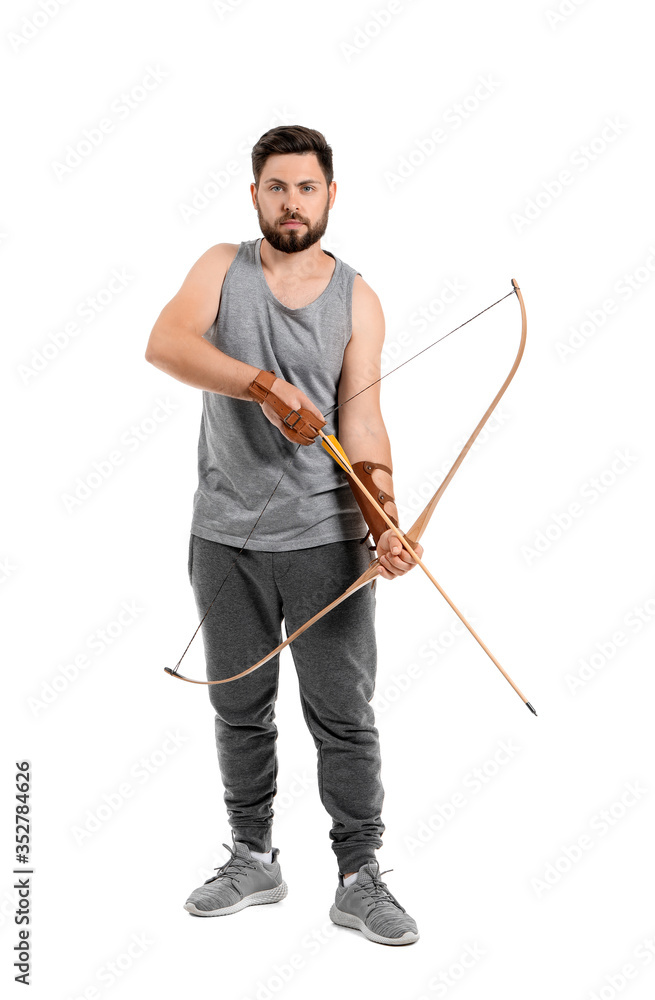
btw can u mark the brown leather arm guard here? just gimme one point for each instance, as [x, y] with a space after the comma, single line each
[376, 524]
[303, 424]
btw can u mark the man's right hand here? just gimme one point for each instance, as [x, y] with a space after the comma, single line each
[294, 398]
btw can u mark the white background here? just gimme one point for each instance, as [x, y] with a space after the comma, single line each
[544, 537]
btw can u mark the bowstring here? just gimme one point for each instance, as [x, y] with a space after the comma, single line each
[294, 453]
[418, 353]
[284, 470]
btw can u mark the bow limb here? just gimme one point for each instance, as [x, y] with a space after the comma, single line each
[413, 535]
[332, 446]
[422, 520]
[367, 576]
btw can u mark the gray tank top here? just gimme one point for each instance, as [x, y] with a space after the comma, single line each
[241, 455]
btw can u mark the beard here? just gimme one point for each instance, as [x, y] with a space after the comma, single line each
[291, 241]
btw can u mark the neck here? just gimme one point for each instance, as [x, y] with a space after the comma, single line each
[302, 262]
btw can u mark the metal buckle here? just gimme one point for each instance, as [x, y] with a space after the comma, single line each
[285, 420]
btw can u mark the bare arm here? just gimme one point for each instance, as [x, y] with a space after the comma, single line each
[362, 431]
[177, 345]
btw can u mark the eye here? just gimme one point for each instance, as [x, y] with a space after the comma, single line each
[308, 187]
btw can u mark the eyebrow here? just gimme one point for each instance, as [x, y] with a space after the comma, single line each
[276, 180]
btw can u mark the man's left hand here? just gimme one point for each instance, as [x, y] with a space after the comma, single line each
[394, 558]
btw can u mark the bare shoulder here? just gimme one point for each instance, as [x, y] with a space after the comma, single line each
[220, 256]
[363, 295]
[209, 269]
[368, 316]
[361, 359]
[225, 250]
[195, 305]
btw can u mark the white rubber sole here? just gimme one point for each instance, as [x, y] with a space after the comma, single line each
[254, 899]
[356, 923]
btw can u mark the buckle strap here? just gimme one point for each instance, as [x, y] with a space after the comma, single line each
[303, 424]
[369, 466]
[376, 524]
[260, 386]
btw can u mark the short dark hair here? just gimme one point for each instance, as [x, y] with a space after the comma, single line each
[292, 139]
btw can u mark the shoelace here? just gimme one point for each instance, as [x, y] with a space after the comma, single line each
[378, 890]
[239, 864]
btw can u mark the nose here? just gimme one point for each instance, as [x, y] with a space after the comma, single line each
[291, 202]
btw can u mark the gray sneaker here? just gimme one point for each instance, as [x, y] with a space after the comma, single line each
[242, 881]
[368, 906]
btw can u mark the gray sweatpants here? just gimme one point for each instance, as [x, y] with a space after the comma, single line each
[335, 661]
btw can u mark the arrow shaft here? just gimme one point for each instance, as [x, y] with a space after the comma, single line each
[338, 456]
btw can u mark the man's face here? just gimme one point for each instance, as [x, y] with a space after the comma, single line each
[293, 201]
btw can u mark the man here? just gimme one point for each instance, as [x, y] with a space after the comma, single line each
[297, 331]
